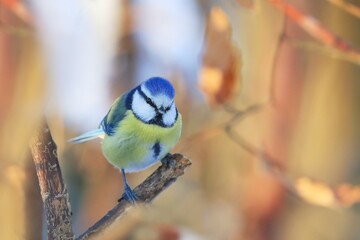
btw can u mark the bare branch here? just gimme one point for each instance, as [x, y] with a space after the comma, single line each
[53, 190]
[147, 191]
[347, 6]
[55, 196]
[33, 202]
[317, 30]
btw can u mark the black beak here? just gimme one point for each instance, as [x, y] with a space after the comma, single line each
[162, 110]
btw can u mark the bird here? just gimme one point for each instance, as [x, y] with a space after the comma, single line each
[142, 126]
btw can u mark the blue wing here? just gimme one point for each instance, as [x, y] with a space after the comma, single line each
[111, 121]
[116, 113]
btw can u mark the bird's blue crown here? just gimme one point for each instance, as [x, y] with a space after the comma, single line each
[158, 85]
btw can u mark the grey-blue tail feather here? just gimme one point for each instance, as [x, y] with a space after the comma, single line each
[87, 136]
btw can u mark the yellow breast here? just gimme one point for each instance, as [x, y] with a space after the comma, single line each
[131, 147]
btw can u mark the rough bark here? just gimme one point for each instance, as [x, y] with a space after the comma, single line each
[53, 190]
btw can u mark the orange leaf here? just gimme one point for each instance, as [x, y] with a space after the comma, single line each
[315, 192]
[319, 193]
[168, 232]
[19, 9]
[218, 78]
[347, 194]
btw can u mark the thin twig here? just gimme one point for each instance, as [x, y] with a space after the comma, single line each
[147, 191]
[317, 30]
[325, 50]
[269, 162]
[347, 6]
[306, 189]
[53, 190]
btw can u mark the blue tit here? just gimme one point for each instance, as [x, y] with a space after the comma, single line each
[141, 127]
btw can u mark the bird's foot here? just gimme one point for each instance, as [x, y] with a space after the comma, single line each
[129, 196]
[168, 161]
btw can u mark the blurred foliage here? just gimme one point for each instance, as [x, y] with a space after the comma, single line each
[294, 174]
[219, 76]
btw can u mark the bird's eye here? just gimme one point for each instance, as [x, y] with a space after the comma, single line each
[151, 103]
[167, 109]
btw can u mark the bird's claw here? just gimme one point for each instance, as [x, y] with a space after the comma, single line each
[129, 196]
[168, 161]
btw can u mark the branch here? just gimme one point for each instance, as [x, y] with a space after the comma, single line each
[349, 7]
[147, 191]
[317, 30]
[33, 202]
[307, 189]
[55, 196]
[53, 190]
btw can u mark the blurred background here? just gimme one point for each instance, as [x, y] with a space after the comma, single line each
[268, 90]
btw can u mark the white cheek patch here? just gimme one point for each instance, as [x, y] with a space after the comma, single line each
[170, 116]
[141, 109]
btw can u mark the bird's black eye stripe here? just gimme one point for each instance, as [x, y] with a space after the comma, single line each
[169, 107]
[147, 99]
